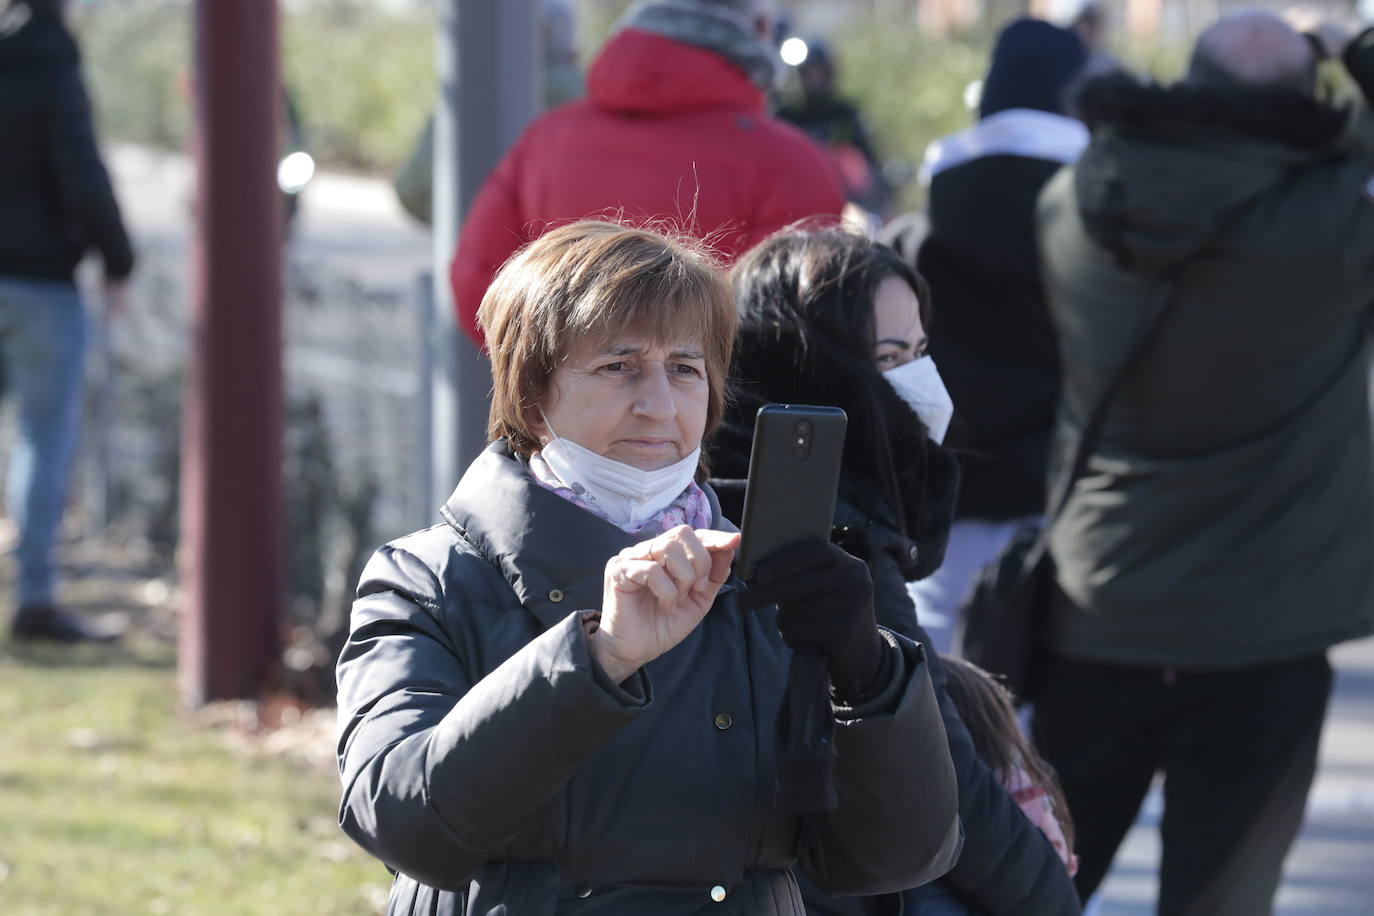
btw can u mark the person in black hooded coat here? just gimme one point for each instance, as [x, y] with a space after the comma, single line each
[56, 204]
[816, 327]
[996, 347]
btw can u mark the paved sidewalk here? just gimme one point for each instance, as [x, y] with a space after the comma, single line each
[1331, 869]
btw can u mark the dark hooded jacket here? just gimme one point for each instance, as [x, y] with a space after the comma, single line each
[489, 761]
[991, 335]
[1007, 866]
[1227, 516]
[56, 201]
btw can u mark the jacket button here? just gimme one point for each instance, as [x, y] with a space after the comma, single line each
[718, 894]
[584, 891]
[723, 721]
[556, 595]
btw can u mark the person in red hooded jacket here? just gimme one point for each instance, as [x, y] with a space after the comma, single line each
[673, 128]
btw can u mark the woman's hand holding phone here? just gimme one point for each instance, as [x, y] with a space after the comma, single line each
[656, 592]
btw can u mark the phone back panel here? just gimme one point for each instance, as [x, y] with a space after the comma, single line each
[794, 472]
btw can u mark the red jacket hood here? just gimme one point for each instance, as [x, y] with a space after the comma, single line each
[642, 73]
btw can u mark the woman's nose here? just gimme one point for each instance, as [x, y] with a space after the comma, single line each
[654, 398]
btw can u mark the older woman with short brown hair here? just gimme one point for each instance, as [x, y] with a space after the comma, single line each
[552, 703]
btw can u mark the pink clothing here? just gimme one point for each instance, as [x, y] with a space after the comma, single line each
[1037, 805]
[691, 507]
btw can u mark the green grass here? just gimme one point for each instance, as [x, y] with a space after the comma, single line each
[112, 803]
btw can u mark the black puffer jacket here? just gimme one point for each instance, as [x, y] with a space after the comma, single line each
[1007, 867]
[488, 761]
[55, 196]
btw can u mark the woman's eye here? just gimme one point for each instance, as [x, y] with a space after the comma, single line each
[616, 366]
[688, 369]
[885, 359]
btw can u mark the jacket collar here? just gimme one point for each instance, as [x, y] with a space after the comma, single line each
[1170, 167]
[639, 72]
[1184, 112]
[1021, 132]
[551, 552]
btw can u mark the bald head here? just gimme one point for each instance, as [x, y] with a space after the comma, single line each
[1256, 50]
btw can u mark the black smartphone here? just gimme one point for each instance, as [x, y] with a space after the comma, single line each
[794, 472]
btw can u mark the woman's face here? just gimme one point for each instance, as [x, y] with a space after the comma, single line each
[897, 326]
[639, 402]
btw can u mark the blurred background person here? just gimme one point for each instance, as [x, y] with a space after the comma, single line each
[834, 122]
[414, 181]
[560, 700]
[996, 348]
[1092, 23]
[563, 81]
[673, 129]
[56, 204]
[1219, 541]
[830, 317]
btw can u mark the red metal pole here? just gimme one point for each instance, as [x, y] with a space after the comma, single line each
[231, 529]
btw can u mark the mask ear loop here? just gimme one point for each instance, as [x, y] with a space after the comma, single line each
[552, 432]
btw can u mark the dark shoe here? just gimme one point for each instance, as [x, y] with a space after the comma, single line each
[43, 621]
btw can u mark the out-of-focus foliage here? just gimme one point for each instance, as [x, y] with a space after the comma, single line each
[909, 86]
[361, 74]
[595, 21]
[137, 57]
[1152, 55]
[363, 79]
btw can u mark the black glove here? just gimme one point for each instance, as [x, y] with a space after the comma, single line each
[825, 601]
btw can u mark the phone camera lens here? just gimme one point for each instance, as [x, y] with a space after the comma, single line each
[799, 453]
[803, 427]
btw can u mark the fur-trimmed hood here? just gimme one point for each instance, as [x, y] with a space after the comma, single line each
[1148, 110]
[1169, 165]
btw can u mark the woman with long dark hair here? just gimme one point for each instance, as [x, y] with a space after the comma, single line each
[832, 318]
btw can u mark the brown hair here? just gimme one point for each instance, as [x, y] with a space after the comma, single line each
[595, 280]
[988, 709]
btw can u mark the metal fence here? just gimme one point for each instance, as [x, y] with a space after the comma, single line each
[356, 373]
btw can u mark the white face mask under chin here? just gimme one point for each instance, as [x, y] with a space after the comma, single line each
[919, 384]
[625, 493]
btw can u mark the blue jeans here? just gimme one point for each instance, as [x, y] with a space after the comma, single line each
[42, 352]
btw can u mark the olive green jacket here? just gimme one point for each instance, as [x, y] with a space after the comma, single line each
[1226, 517]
